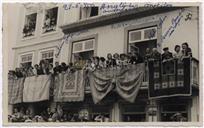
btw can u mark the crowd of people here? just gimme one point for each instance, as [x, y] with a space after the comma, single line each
[55, 115]
[96, 62]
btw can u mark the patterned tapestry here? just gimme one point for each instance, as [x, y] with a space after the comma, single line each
[69, 87]
[15, 90]
[169, 78]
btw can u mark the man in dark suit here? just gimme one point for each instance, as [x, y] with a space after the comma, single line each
[166, 55]
[57, 69]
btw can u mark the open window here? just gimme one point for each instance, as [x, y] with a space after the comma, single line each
[26, 60]
[87, 12]
[48, 55]
[142, 38]
[50, 20]
[29, 25]
[83, 50]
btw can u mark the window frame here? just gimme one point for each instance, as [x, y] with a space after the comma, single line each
[82, 10]
[142, 30]
[43, 20]
[125, 105]
[83, 45]
[26, 13]
[46, 50]
[141, 26]
[26, 18]
[77, 39]
[24, 54]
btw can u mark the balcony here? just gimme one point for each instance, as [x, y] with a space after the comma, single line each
[194, 76]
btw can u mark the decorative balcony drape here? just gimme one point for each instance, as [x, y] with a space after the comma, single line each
[36, 88]
[126, 80]
[69, 87]
[170, 78]
[15, 90]
[129, 80]
[101, 83]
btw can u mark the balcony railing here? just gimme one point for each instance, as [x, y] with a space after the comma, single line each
[194, 76]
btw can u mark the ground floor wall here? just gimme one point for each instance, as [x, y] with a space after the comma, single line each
[118, 110]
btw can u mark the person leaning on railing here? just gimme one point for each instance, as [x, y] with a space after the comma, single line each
[166, 55]
[57, 68]
[110, 62]
[177, 54]
[148, 53]
[186, 50]
[102, 62]
[155, 54]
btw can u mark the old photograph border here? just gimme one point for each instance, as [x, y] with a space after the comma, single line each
[6, 60]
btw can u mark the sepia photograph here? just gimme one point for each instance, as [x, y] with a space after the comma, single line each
[101, 63]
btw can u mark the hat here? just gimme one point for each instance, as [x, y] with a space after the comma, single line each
[166, 48]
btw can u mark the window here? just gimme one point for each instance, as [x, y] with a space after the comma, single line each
[87, 12]
[141, 39]
[134, 112]
[83, 50]
[97, 110]
[50, 20]
[48, 55]
[170, 111]
[94, 11]
[26, 60]
[30, 25]
[144, 34]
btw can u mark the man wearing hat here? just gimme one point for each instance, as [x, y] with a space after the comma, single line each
[166, 55]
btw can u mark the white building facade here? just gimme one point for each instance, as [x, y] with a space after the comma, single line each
[91, 31]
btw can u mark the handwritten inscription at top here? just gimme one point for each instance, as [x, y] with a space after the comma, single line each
[114, 7]
[66, 39]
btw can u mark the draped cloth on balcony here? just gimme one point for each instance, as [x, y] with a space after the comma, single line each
[69, 87]
[101, 83]
[15, 90]
[126, 80]
[36, 88]
[129, 80]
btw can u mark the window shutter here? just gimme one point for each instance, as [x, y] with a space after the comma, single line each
[135, 36]
[89, 45]
[150, 33]
[144, 34]
[26, 58]
[47, 54]
[78, 47]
